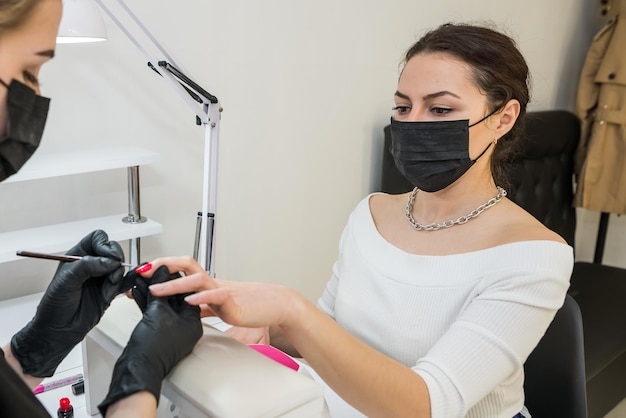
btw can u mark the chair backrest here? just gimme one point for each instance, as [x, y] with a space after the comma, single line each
[542, 183]
[542, 173]
[555, 384]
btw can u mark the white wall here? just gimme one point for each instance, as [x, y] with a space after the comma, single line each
[306, 88]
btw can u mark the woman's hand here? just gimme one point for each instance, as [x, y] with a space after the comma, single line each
[245, 335]
[241, 304]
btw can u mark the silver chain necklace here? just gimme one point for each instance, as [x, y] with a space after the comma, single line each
[449, 223]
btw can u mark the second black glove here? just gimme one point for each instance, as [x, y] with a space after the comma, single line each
[168, 332]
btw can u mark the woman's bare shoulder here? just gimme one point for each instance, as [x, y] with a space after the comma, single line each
[519, 225]
[380, 200]
[384, 205]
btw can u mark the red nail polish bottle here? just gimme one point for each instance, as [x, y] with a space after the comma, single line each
[65, 409]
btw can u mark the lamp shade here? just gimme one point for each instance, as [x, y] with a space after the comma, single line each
[81, 22]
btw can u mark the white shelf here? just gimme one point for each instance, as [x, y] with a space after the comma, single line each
[61, 237]
[69, 162]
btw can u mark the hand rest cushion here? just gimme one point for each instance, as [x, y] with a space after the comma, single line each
[221, 377]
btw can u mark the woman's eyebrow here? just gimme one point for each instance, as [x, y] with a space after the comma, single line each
[46, 53]
[401, 95]
[429, 96]
[439, 94]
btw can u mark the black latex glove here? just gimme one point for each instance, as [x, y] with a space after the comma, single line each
[167, 333]
[140, 290]
[73, 304]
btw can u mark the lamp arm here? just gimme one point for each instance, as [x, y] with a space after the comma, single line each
[174, 73]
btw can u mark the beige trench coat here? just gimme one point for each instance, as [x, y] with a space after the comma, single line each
[601, 106]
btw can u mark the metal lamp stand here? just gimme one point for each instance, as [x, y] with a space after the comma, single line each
[207, 110]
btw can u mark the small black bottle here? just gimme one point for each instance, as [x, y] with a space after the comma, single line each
[65, 409]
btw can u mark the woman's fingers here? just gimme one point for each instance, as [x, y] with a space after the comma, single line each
[196, 282]
[222, 303]
[184, 264]
[205, 311]
[246, 335]
[195, 279]
[243, 304]
[214, 298]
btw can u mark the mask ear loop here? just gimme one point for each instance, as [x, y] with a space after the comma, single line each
[495, 140]
[482, 153]
[490, 114]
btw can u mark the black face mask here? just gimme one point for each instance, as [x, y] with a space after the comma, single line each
[26, 118]
[432, 155]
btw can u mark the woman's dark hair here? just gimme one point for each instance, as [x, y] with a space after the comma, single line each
[499, 70]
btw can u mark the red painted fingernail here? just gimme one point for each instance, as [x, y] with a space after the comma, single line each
[143, 268]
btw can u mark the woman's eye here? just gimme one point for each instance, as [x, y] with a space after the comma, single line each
[440, 110]
[30, 78]
[401, 110]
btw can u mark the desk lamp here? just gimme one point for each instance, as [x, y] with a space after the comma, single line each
[81, 22]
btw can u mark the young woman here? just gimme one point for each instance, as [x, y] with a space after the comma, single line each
[439, 295]
[80, 291]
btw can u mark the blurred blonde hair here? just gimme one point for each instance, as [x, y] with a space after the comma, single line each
[14, 12]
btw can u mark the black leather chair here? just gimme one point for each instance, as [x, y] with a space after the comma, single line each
[600, 291]
[555, 371]
[541, 182]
